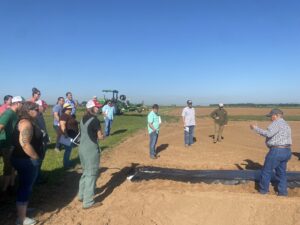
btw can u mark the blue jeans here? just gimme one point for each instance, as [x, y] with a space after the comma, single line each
[56, 128]
[67, 154]
[189, 136]
[27, 170]
[153, 141]
[276, 159]
[108, 123]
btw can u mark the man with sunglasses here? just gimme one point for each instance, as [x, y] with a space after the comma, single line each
[8, 122]
[108, 112]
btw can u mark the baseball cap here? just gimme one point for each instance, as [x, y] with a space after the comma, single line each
[221, 105]
[92, 103]
[97, 104]
[189, 102]
[67, 106]
[274, 112]
[17, 99]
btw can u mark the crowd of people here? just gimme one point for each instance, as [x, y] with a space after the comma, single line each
[24, 139]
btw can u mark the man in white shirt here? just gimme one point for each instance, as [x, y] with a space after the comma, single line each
[189, 123]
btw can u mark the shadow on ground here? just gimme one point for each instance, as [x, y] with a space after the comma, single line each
[161, 148]
[51, 196]
[119, 131]
[115, 181]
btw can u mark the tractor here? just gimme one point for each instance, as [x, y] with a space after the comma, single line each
[121, 104]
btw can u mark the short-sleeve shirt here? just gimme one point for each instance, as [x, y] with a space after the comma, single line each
[56, 109]
[3, 108]
[93, 127]
[9, 120]
[154, 119]
[189, 116]
[109, 111]
[71, 124]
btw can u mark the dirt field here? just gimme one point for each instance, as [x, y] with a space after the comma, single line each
[204, 111]
[164, 202]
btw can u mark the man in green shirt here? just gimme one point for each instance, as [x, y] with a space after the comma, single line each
[221, 119]
[8, 122]
[153, 129]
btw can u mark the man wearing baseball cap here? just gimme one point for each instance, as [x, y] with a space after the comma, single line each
[220, 118]
[8, 122]
[89, 154]
[278, 140]
[189, 123]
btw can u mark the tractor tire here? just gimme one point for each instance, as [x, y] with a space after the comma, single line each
[122, 97]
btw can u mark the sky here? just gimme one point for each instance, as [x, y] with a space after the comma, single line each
[156, 51]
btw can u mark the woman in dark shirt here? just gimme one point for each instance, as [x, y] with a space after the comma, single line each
[69, 129]
[28, 149]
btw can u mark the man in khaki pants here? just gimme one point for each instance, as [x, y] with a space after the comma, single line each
[220, 117]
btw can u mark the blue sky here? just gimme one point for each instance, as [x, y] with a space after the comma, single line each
[159, 51]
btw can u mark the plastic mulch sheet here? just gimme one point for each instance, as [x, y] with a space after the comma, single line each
[228, 177]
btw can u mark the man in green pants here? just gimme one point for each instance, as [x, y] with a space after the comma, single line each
[89, 154]
[221, 119]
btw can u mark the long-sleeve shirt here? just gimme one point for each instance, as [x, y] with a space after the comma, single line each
[277, 134]
[220, 116]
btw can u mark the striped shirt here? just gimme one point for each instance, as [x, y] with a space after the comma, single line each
[278, 133]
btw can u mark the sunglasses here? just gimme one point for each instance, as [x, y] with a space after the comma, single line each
[35, 109]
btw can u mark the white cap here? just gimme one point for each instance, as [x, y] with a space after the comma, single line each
[221, 105]
[39, 102]
[17, 99]
[90, 104]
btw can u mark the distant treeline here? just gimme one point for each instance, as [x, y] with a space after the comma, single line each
[259, 105]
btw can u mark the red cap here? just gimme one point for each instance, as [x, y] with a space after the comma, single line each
[97, 104]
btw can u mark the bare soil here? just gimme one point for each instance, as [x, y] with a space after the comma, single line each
[164, 202]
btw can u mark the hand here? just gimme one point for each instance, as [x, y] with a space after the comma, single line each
[253, 126]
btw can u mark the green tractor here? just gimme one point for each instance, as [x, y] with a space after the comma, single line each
[121, 104]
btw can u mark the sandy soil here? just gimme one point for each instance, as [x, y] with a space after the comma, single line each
[164, 202]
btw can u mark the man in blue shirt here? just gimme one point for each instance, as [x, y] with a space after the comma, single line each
[57, 111]
[69, 100]
[108, 112]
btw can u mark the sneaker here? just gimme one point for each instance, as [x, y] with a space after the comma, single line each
[93, 206]
[27, 221]
[153, 157]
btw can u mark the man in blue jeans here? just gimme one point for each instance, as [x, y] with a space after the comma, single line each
[189, 123]
[108, 112]
[278, 140]
[153, 129]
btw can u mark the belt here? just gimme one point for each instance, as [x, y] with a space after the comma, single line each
[281, 146]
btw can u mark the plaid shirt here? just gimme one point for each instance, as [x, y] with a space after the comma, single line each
[278, 133]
